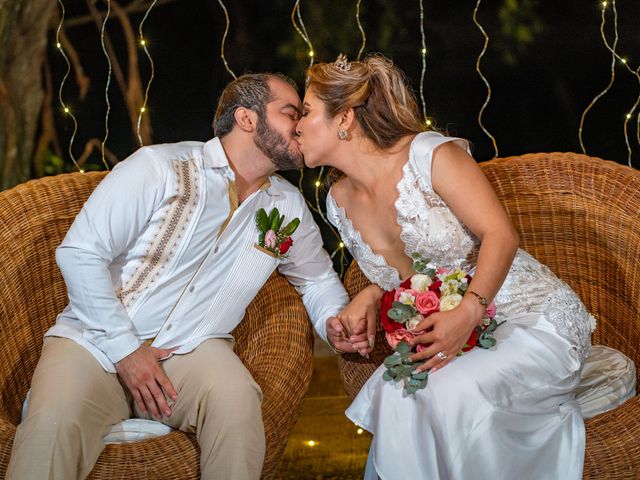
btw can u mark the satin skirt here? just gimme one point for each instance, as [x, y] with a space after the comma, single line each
[504, 413]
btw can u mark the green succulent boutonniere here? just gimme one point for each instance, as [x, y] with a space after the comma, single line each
[274, 239]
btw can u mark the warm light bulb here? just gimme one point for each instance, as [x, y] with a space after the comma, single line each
[604, 4]
[142, 109]
[311, 443]
[628, 115]
[311, 54]
[624, 60]
[424, 50]
[58, 45]
[317, 183]
[359, 431]
[66, 110]
[82, 170]
[143, 42]
[341, 245]
[428, 122]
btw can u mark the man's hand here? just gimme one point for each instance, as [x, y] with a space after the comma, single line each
[146, 380]
[337, 337]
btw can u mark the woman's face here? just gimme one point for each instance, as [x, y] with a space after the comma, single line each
[317, 134]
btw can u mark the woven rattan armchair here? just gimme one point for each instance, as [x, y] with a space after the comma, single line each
[581, 217]
[34, 217]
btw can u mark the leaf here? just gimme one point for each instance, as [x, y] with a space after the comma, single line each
[403, 347]
[421, 376]
[291, 227]
[387, 375]
[392, 360]
[273, 218]
[262, 221]
[276, 227]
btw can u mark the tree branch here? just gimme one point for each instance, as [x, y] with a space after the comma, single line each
[133, 7]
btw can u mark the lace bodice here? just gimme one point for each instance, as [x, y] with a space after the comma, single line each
[429, 227]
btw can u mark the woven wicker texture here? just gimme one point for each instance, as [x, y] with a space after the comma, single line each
[275, 340]
[581, 217]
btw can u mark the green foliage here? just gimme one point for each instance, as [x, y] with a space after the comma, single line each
[400, 368]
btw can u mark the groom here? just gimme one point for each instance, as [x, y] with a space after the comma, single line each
[160, 266]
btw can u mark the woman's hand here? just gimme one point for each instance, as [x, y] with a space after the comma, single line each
[450, 333]
[359, 319]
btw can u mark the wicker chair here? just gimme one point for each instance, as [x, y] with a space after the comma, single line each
[581, 217]
[34, 218]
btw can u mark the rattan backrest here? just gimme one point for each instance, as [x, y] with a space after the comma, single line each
[34, 218]
[581, 217]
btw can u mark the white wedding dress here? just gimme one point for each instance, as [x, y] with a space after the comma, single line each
[504, 413]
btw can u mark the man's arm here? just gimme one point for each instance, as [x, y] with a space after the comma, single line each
[310, 270]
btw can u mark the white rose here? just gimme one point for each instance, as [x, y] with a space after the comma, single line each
[450, 287]
[420, 282]
[414, 322]
[449, 302]
[407, 298]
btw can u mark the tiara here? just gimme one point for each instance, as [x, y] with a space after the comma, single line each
[342, 63]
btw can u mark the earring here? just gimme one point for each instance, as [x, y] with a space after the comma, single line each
[342, 134]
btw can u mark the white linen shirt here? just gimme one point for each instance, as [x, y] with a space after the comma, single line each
[147, 257]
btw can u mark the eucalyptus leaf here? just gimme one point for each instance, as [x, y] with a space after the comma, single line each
[403, 347]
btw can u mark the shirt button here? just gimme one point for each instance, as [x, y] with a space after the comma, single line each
[215, 250]
[191, 289]
[169, 327]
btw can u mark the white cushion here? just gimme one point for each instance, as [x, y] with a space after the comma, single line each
[130, 430]
[608, 380]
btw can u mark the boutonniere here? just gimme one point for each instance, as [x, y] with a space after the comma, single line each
[274, 239]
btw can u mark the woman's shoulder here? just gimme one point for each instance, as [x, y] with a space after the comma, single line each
[424, 146]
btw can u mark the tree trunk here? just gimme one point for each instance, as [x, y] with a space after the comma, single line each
[23, 40]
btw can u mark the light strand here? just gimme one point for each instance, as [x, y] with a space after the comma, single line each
[423, 53]
[224, 39]
[143, 44]
[106, 88]
[364, 37]
[613, 69]
[635, 73]
[302, 31]
[64, 106]
[486, 82]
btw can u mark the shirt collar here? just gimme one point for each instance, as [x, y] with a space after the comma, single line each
[215, 157]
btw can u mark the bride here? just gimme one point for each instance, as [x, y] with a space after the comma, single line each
[504, 413]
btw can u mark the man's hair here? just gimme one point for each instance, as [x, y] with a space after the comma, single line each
[251, 91]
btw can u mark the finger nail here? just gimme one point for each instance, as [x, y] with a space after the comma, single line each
[372, 340]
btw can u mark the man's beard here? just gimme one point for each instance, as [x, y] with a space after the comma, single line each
[274, 146]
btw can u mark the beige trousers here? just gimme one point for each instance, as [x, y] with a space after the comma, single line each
[74, 402]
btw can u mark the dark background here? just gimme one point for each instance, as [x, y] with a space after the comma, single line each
[545, 62]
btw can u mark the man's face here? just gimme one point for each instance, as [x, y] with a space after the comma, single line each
[275, 136]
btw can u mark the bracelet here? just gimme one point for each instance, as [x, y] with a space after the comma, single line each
[483, 301]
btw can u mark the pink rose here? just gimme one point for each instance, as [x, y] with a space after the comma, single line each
[270, 239]
[427, 302]
[491, 310]
[400, 335]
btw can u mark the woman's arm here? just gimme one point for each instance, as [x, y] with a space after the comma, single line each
[458, 180]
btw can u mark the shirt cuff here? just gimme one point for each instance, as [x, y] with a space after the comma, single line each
[119, 346]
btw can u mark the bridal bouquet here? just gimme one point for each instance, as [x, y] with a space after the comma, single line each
[404, 308]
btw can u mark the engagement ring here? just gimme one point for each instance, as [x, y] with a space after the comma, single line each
[441, 355]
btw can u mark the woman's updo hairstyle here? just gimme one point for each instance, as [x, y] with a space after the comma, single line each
[376, 89]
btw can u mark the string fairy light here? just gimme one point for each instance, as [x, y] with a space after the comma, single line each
[635, 73]
[613, 67]
[63, 105]
[106, 88]
[302, 31]
[143, 44]
[423, 54]
[364, 37]
[484, 79]
[224, 39]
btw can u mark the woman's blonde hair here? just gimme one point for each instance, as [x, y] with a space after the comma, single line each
[377, 90]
